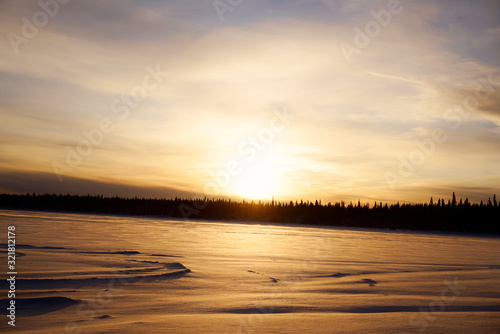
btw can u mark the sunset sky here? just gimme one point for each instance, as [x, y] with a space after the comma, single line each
[297, 99]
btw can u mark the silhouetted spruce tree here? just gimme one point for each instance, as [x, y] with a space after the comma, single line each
[464, 217]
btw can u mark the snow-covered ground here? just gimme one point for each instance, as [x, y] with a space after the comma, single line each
[109, 274]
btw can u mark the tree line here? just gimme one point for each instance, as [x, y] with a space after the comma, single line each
[441, 215]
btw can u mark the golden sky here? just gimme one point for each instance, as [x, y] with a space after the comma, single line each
[332, 100]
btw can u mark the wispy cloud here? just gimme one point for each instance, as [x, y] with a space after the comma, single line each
[353, 120]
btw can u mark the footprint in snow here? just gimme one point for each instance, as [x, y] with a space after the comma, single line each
[369, 281]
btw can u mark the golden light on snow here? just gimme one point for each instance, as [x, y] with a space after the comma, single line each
[212, 277]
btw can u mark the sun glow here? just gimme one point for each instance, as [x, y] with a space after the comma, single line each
[260, 182]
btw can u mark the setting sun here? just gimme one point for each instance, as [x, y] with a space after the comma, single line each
[260, 182]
